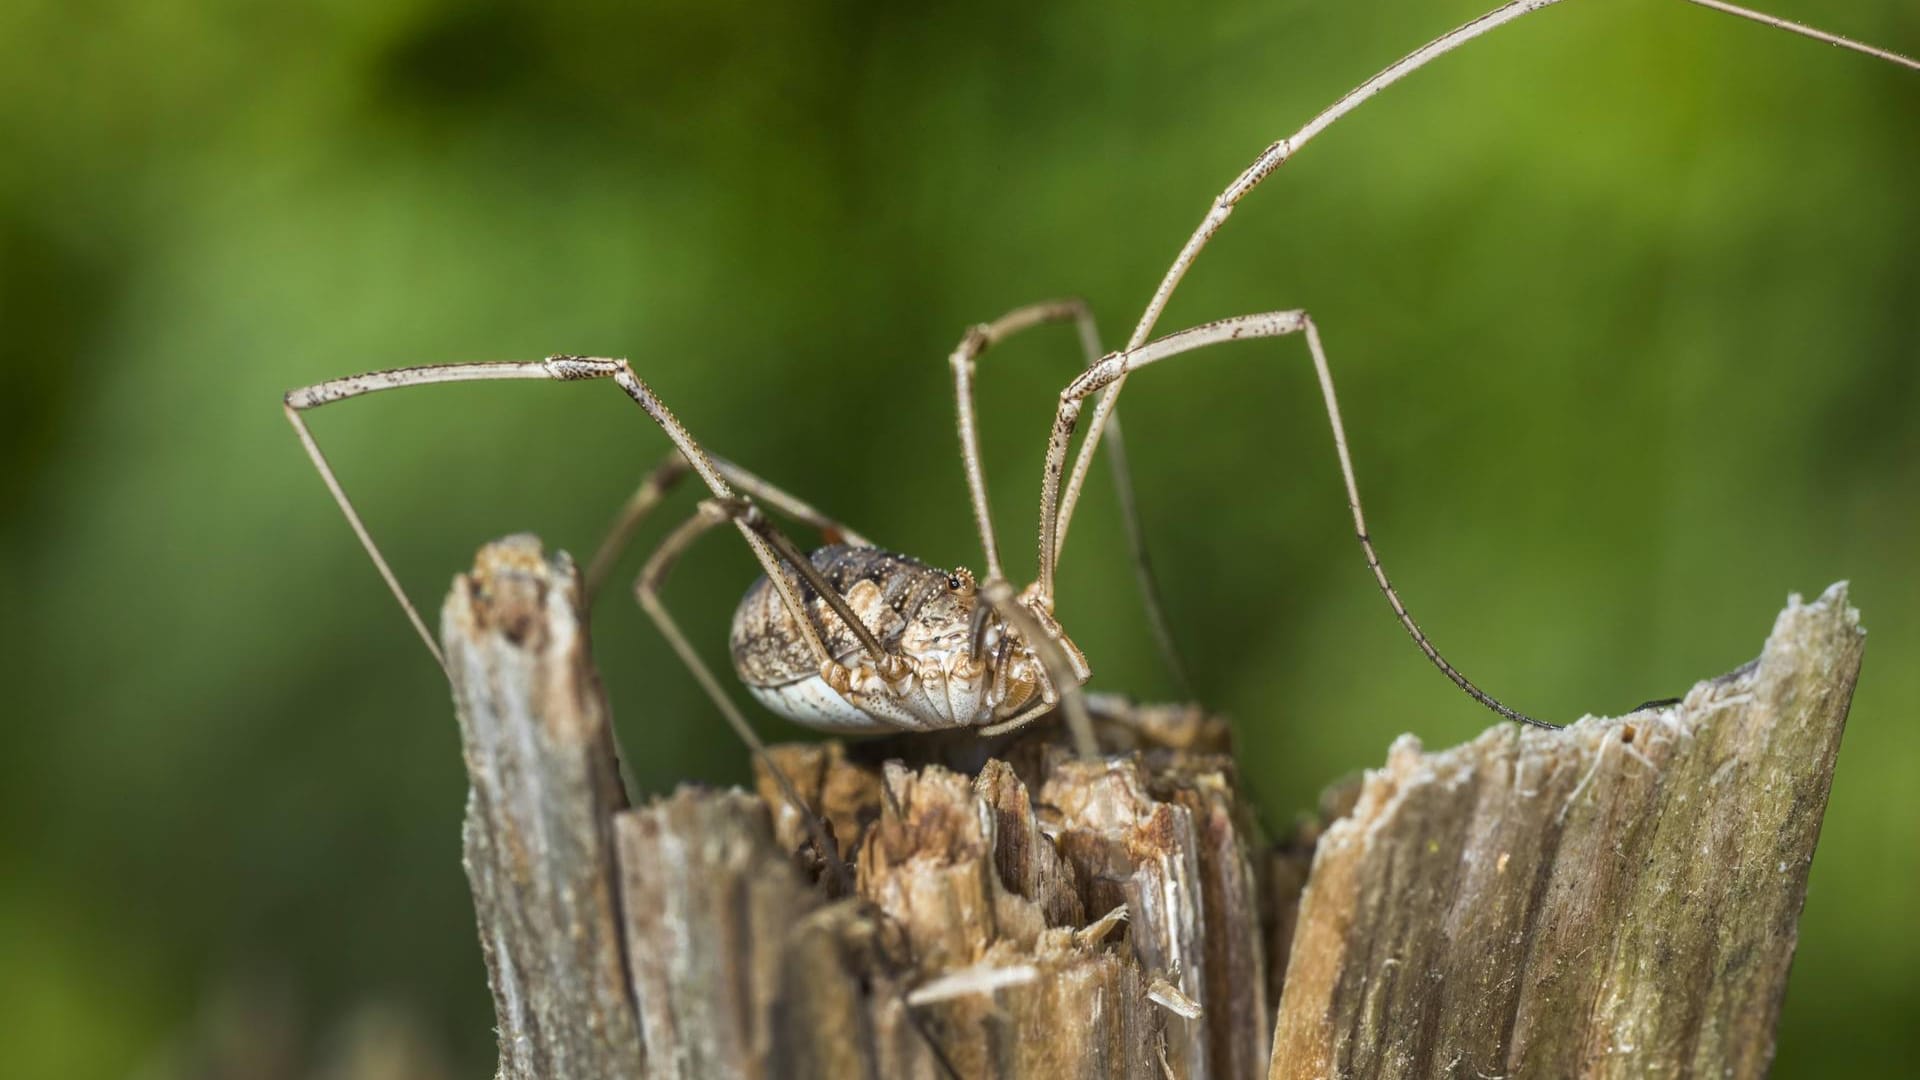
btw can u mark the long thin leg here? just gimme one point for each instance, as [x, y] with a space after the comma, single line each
[1263, 166]
[769, 545]
[1277, 155]
[654, 486]
[646, 590]
[1142, 559]
[663, 478]
[832, 530]
[977, 341]
[1115, 366]
[1061, 687]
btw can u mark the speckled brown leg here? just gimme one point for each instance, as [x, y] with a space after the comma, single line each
[662, 479]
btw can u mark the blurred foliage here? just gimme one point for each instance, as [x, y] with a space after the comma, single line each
[1619, 298]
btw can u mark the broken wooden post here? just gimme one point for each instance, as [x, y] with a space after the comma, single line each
[1616, 899]
[545, 785]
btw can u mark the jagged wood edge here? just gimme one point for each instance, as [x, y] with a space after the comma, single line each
[1618, 899]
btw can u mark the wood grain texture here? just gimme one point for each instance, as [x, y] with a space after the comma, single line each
[545, 784]
[709, 901]
[1619, 899]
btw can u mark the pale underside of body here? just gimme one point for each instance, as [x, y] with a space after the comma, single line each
[921, 613]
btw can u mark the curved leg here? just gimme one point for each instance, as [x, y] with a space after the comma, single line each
[1277, 154]
[977, 341]
[654, 486]
[1115, 366]
[665, 476]
[646, 589]
[1262, 167]
[769, 545]
[1061, 686]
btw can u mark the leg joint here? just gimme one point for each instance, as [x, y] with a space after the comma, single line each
[570, 368]
[730, 508]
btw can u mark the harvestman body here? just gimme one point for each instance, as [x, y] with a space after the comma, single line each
[853, 638]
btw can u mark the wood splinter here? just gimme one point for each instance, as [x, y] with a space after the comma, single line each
[1616, 899]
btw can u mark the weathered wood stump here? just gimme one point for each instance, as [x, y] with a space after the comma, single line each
[1618, 899]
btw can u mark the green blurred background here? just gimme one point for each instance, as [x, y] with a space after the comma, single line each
[1621, 300]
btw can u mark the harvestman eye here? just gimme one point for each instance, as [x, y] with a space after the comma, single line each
[846, 638]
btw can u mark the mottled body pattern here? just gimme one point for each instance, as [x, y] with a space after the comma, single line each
[918, 612]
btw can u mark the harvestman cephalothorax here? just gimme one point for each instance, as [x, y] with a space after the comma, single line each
[853, 638]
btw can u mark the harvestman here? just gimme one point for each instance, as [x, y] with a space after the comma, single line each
[853, 638]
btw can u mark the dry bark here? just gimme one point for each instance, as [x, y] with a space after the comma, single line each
[1617, 899]
[538, 837]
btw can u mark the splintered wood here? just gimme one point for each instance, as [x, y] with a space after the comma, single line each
[545, 786]
[1619, 899]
